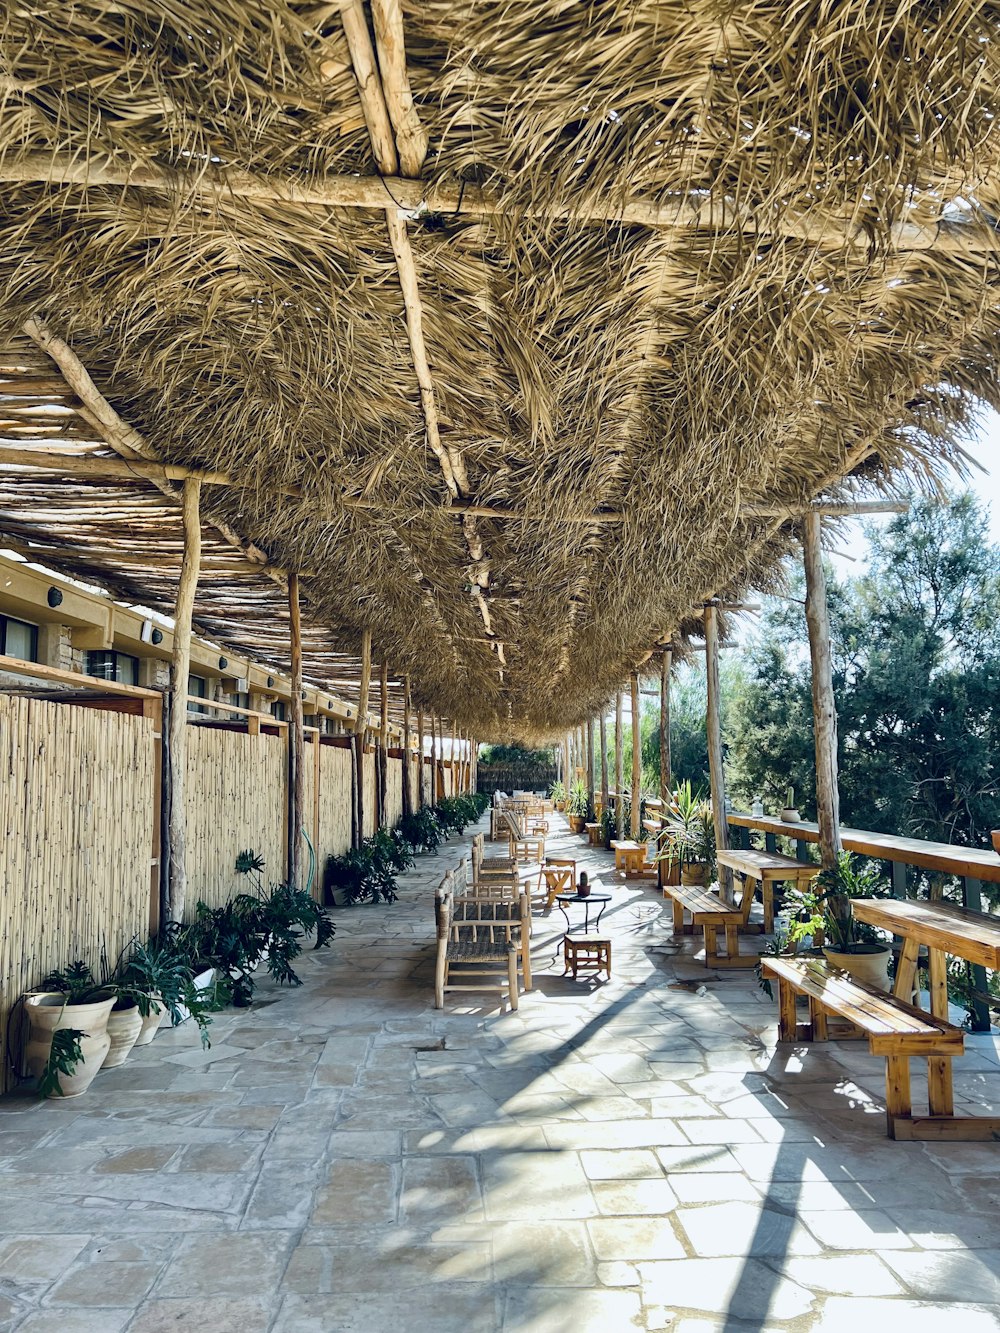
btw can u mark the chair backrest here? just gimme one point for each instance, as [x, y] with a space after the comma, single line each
[513, 825]
[444, 906]
[478, 852]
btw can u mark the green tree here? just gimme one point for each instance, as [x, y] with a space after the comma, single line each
[916, 662]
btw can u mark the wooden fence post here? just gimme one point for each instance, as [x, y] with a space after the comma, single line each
[382, 762]
[407, 755]
[604, 760]
[635, 829]
[619, 768]
[590, 765]
[359, 733]
[666, 661]
[180, 665]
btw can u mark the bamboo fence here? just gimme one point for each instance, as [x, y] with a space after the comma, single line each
[76, 818]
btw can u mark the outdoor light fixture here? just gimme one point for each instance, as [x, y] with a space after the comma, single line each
[54, 597]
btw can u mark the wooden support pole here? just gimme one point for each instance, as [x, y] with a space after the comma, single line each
[824, 705]
[666, 784]
[383, 745]
[635, 826]
[180, 665]
[421, 799]
[296, 740]
[435, 732]
[360, 725]
[407, 755]
[619, 765]
[713, 732]
[590, 766]
[604, 761]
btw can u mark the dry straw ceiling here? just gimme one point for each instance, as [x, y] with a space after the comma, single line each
[519, 328]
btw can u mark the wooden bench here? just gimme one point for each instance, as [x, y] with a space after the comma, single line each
[894, 1029]
[630, 857]
[593, 832]
[768, 869]
[711, 913]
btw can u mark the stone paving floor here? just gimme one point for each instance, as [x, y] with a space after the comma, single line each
[628, 1155]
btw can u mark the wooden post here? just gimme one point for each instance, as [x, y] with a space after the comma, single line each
[619, 765]
[824, 705]
[359, 733]
[604, 761]
[435, 732]
[153, 709]
[666, 785]
[407, 756]
[420, 767]
[383, 744]
[635, 830]
[713, 732]
[296, 740]
[590, 765]
[180, 664]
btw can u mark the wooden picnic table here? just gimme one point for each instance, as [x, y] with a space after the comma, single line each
[943, 929]
[972, 865]
[768, 868]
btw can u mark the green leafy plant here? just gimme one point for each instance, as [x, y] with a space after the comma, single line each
[77, 982]
[65, 1054]
[578, 803]
[160, 972]
[557, 791]
[689, 832]
[421, 830]
[838, 885]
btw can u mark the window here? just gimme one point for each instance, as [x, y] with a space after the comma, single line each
[18, 639]
[241, 700]
[197, 685]
[113, 666]
[278, 710]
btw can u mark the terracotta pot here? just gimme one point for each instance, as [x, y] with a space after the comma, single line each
[49, 1013]
[866, 962]
[124, 1025]
[150, 1024]
[995, 836]
[576, 823]
[694, 874]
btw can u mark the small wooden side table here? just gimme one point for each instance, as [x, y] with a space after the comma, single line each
[588, 953]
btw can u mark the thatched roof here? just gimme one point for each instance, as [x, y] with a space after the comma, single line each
[680, 268]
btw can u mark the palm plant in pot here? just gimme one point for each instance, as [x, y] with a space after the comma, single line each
[578, 806]
[853, 946]
[688, 837]
[557, 794]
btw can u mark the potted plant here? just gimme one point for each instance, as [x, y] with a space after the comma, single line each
[557, 794]
[995, 839]
[688, 837]
[67, 1031]
[853, 946]
[159, 976]
[578, 806]
[789, 814]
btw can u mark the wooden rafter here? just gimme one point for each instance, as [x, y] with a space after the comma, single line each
[414, 197]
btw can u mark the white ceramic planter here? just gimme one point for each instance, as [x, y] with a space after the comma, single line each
[203, 982]
[47, 1014]
[150, 1024]
[870, 963]
[791, 817]
[124, 1025]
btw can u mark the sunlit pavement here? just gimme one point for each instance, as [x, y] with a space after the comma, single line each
[628, 1154]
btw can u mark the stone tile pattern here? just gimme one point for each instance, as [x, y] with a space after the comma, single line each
[634, 1154]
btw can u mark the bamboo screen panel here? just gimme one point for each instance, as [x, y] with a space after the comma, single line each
[394, 791]
[334, 803]
[76, 819]
[370, 794]
[235, 796]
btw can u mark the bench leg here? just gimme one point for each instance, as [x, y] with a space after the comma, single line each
[767, 893]
[678, 917]
[711, 951]
[817, 1017]
[906, 970]
[938, 969]
[787, 1023]
[897, 1089]
[940, 1097]
[512, 977]
[526, 963]
[732, 940]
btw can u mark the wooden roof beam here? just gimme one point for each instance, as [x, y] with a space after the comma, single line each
[409, 197]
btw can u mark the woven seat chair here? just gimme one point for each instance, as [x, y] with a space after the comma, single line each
[499, 886]
[479, 943]
[524, 846]
[484, 866]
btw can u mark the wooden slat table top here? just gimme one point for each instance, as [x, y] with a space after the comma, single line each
[974, 936]
[971, 862]
[769, 865]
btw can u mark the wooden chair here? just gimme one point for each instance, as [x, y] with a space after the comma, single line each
[556, 876]
[587, 953]
[479, 942]
[483, 865]
[524, 846]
